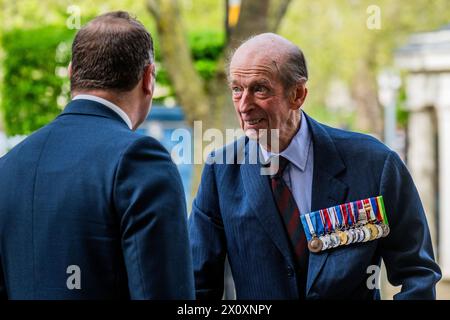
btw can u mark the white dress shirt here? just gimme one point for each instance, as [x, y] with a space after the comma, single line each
[108, 104]
[298, 174]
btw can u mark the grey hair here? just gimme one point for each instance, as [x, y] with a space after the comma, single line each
[293, 69]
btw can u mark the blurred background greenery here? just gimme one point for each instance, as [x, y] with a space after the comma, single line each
[193, 39]
[343, 55]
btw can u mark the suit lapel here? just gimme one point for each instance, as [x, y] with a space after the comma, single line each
[261, 200]
[327, 189]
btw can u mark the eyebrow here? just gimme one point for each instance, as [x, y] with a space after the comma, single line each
[260, 82]
[254, 82]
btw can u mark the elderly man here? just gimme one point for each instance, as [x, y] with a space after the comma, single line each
[262, 223]
[90, 209]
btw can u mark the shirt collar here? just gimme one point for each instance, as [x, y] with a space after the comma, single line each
[297, 150]
[108, 104]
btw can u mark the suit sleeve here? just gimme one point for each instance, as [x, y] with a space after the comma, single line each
[407, 251]
[150, 200]
[3, 295]
[207, 235]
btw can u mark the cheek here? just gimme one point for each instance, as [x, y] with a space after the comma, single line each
[271, 110]
[238, 114]
[236, 108]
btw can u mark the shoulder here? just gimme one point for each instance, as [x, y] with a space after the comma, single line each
[144, 160]
[358, 145]
[141, 148]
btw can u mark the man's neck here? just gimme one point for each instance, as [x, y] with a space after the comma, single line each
[282, 143]
[122, 102]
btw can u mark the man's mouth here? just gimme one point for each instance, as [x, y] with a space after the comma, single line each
[253, 121]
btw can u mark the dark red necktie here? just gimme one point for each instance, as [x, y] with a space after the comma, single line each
[289, 213]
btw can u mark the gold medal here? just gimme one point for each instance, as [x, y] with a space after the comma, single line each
[315, 244]
[373, 231]
[342, 237]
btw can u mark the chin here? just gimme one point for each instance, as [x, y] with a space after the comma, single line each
[252, 134]
[262, 134]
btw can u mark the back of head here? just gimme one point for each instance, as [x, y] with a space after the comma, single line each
[110, 53]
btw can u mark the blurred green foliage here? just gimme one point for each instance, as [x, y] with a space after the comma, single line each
[333, 35]
[206, 48]
[35, 85]
[402, 112]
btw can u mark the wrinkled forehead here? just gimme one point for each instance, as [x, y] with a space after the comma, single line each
[247, 63]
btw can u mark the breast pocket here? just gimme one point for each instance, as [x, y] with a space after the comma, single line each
[345, 270]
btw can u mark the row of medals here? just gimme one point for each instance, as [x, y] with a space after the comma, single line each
[363, 231]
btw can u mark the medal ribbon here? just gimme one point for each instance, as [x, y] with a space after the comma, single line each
[316, 219]
[360, 206]
[366, 203]
[324, 222]
[307, 226]
[340, 217]
[348, 208]
[354, 212]
[376, 208]
[332, 218]
[372, 216]
[345, 215]
[328, 220]
[383, 210]
[337, 217]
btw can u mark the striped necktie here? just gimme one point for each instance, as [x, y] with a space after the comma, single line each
[289, 213]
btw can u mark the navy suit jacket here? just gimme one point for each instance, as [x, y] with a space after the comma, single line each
[234, 214]
[87, 191]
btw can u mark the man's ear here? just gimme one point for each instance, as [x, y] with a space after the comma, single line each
[298, 96]
[148, 79]
[69, 70]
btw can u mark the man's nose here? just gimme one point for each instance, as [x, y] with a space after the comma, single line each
[246, 102]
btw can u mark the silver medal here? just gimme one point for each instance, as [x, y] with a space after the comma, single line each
[360, 235]
[386, 229]
[367, 234]
[350, 236]
[355, 235]
[329, 241]
[335, 240]
[380, 231]
[325, 241]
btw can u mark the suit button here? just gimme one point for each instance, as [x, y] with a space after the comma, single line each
[290, 272]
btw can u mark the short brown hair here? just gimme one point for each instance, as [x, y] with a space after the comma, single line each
[110, 53]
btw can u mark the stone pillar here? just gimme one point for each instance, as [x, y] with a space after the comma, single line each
[422, 157]
[443, 112]
[426, 59]
[444, 186]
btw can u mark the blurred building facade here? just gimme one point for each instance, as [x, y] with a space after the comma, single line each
[426, 61]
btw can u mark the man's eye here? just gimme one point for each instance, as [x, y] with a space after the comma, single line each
[260, 89]
[236, 90]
